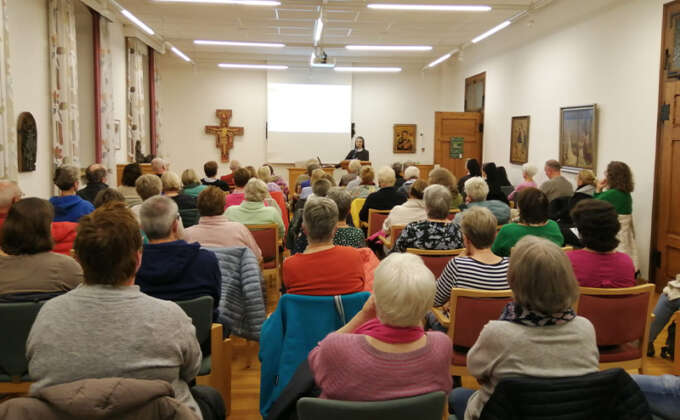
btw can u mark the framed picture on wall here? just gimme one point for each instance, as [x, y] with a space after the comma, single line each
[519, 140]
[578, 137]
[404, 139]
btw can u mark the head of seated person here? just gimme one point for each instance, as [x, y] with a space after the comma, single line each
[437, 202]
[159, 219]
[10, 193]
[417, 190]
[241, 178]
[476, 190]
[95, 174]
[478, 225]
[367, 176]
[412, 172]
[211, 202]
[66, 178]
[319, 220]
[343, 201]
[311, 166]
[354, 166]
[444, 177]
[210, 168]
[386, 177]
[190, 179]
[108, 195]
[159, 166]
[27, 230]
[321, 187]
[597, 224]
[131, 172]
[171, 183]
[533, 207]
[148, 186]
[255, 191]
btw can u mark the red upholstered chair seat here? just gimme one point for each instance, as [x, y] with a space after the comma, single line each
[459, 359]
[619, 353]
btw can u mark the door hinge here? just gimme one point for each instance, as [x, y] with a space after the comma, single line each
[656, 258]
[665, 112]
[481, 127]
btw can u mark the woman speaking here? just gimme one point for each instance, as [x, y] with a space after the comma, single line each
[359, 151]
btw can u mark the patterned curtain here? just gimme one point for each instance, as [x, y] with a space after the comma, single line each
[106, 102]
[64, 82]
[136, 50]
[157, 104]
[8, 134]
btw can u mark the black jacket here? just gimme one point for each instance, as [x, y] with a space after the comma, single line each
[90, 192]
[353, 154]
[383, 199]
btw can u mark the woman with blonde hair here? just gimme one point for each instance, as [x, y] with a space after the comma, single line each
[265, 174]
[366, 186]
[191, 184]
[172, 188]
[443, 176]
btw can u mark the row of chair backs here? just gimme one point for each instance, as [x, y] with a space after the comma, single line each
[267, 238]
[376, 218]
[436, 260]
[486, 305]
[200, 311]
[17, 322]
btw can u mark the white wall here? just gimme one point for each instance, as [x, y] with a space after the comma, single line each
[610, 58]
[85, 48]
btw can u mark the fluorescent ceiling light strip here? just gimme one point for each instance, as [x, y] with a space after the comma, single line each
[369, 69]
[440, 60]
[491, 31]
[318, 30]
[241, 2]
[137, 22]
[239, 43]
[252, 66]
[431, 7]
[389, 47]
[180, 54]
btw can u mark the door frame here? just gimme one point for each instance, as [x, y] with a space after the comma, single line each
[481, 133]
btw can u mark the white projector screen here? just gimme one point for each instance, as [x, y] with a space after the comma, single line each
[306, 120]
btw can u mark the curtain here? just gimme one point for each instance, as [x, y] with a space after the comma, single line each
[136, 50]
[157, 104]
[64, 82]
[109, 140]
[8, 135]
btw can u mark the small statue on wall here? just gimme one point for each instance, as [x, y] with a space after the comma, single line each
[27, 135]
[139, 155]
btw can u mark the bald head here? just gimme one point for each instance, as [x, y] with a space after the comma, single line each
[158, 166]
[95, 173]
[10, 193]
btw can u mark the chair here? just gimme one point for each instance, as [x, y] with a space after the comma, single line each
[267, 238]
[17, 322]
[281, 201]
[189, 217]
[395, 233]
[452, 214]
[423, 407]
[215, 368]
[470, 311]
[435, 260]
[376, 218]
[354, 210]
[620, 317]
[608, 395]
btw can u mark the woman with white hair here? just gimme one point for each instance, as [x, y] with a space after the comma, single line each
[538, 334]
[386, 197]
[476, 194]
[172, 186]
[353, 169]
[383, 353]
[411, 175]
[437, 231]
[528, 173]
[252, 210]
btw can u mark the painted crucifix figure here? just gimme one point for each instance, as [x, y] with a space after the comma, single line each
[224, 133]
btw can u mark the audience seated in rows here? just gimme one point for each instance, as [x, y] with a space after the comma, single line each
[108, 327]
[598, 264]
[344, 235]
[528, 173]
[666, 306]
[236, 197]
[560, 209]
[307, 191]
[95, 175]
[310, 166]
[353, 168]
[191, 185]
[29, 270]
[398, 169]
[172, 187]
[437, 232]
[473, 169]
[383, 353]
[319, 189]
[171, 268]
[210, 180]
[556, 186]
[265, 174]
[493, 179]
[214, 229]
[386, 197]
[146, 186]
[68, 206]
[538, 334]
[131, 172]
[444, 177]
[252, 211]
[364, 184]
[476, 195]
[158, 166]
[533, 220]
[411, 175]
[413, 210]
[108, 195]
[323, 268]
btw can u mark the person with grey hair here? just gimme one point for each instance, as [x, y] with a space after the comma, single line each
[411, 175]
[158, 166]
[386, 197]
[398, 168]
[345, 235]
[173, 269]
[437, 232]
[95, 175]
[537, 335]
[476, 193]
[323, 269]
[252, 210]
[556, 186]
[528, 173]
[68, 205]
[353, 169]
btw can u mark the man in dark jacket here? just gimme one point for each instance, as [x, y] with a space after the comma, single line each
[386, 197]
[96, 178]
[171, 268]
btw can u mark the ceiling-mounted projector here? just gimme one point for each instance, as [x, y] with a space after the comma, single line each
[321, 60]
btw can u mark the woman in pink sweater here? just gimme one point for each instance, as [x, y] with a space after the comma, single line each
[528, 173]
[383, 352]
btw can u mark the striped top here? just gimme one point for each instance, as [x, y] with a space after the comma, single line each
[468, 273]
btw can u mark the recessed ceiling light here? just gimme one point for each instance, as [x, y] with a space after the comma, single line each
[252, 66]
[431, 7]
[180, 54]
[440, 60]
[389, 47]
[241, 2]
[369, 69]
[491, 31]
[137, 22]
[239, 43]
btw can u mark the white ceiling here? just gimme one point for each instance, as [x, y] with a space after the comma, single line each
[292, 23]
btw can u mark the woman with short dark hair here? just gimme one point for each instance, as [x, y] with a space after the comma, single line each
[28, 267]
[130, 174]
[241, 178]
[493, 179]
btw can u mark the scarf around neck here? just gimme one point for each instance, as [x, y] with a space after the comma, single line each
[388, 334]
[514, 312]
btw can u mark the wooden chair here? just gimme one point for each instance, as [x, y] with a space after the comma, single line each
[354, 210]
[375, 220]
[621, 317]
[17, 322]
[395, 233]
[452, 214]
[281, 201]
[267, 238]
[676, 355]
[436, 260]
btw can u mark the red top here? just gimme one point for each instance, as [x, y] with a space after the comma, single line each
[229, 179]
[335, 271]
[604, 270]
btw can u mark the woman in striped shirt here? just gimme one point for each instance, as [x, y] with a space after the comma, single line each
[479, 268]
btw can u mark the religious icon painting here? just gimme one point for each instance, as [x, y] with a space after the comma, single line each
[578, 137]
[404, 140]
[519, 140]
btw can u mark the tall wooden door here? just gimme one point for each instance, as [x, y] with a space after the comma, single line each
[665, 264]
[448, 125]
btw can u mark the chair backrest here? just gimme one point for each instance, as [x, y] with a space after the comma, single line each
[423, 407]
[452, 214]
[354, 210]
[607, 395]
[281, 201]
[471, 310]
[189, 217]
[17, 320]
[200, 310]
[619, 316]
[435, 260]
[395, 233]
[267, 238]
[375, 220]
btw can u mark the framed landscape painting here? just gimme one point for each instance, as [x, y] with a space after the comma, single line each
[404, 138]
[578, 137]
[519, 140]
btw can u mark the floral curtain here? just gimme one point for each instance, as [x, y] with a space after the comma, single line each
[157, 105]
[136, 50]
[8, 136]
[64, 82]
[109, 140]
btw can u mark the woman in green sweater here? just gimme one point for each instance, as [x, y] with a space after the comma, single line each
[533, 220]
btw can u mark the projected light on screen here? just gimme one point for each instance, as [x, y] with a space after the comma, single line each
[309, 108]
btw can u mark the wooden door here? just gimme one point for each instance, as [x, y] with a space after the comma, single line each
[457, 124]
[665, 261]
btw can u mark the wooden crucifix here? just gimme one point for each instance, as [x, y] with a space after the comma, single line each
[224, 134]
